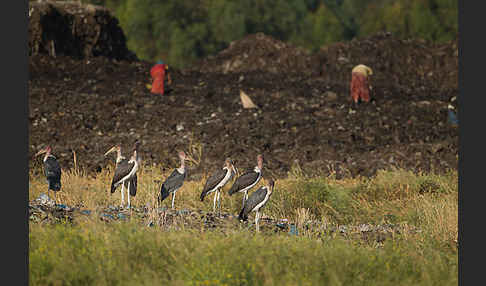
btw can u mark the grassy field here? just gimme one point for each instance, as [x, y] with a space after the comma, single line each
[91, 252]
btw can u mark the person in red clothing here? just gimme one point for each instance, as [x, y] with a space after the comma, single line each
[158, 73]
[360, 87]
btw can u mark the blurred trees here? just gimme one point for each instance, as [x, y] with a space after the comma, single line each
[181, 31]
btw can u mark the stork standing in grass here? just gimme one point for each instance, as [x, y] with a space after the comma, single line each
[120, 159]
[52, 171]
[255, 203]
[174, 181]
[249, 179]
[125, 174]
[217, 181]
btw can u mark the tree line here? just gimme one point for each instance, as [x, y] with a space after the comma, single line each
[181, 31]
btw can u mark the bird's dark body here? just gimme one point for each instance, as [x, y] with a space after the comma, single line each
[213, 181]
[252, 202]
[247, 179]
[52, 171]
[123, 168]
[133, 185]
[171, 184]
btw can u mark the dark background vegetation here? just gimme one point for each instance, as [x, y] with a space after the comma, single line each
[182, 31]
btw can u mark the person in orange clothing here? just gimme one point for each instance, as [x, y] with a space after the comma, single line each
[158, 73]
[360, 87]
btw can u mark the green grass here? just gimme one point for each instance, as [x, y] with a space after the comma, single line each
[92, 252]
[125, 254]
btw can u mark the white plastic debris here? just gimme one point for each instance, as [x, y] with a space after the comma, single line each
[246, 101]
[43, 199]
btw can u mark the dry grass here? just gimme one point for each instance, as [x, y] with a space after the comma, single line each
[426, 201]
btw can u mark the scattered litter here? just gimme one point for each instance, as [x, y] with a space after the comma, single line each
[107, 216]
[62, 206]
[44, 199]
[293, 230]
[246, 101]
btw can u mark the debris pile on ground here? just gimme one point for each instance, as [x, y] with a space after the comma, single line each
[74, 29]
[406, 64]
[173, 219]
[259, 52]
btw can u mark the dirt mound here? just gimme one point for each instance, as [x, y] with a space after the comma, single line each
[258, 52]
[74, 29]
[403, 63]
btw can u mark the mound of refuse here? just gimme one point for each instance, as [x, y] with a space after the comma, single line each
[258, 52]
[407, 63]
[75, 29]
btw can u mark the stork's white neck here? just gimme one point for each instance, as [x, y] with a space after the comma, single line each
[182, 168]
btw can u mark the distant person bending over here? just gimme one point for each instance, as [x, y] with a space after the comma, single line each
[360, 87]
[158, 73]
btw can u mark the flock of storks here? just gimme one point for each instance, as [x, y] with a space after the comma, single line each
[126, 176]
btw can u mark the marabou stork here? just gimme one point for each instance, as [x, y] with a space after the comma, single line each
[120, 159]
[174, 181]
[125, 173]
[52, 171]
[255, 202]
[217, 181]
[249, 179]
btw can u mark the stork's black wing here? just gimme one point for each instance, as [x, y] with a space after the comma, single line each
[172, 184]
[253, 200]
[244, 181]
[52, 170]
[213, 181]
[133, 185]
[122, 169]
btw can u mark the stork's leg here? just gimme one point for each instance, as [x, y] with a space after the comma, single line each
[219, 202]
[122, 195]
[173, 196]
[257, 218]
[244, 199]
[128, 194]
[214, 200]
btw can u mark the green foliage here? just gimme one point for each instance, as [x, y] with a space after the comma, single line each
[124, 254]
[434, 20]
[183, 31]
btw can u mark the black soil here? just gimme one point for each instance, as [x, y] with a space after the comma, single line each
[91, 94]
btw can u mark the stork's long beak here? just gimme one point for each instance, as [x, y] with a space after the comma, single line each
[113, 149]
[40, 152]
